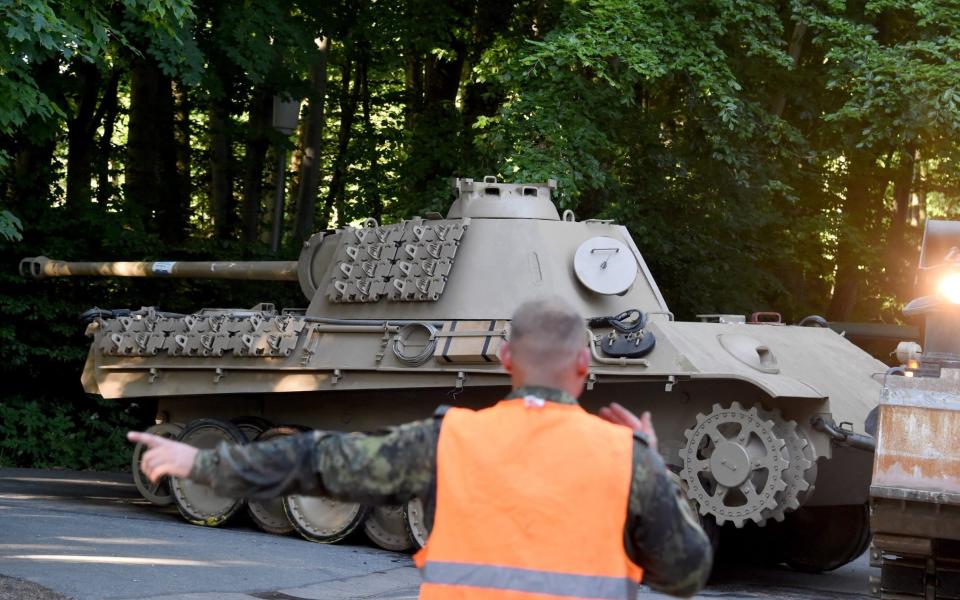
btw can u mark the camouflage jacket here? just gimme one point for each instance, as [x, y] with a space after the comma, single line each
[390, 467]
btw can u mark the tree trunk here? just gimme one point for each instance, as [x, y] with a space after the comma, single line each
[309, 181]
[853, 244]
[221, 176]
[81, 128]
[30, 174]
[413, 88]
[258, 140]
[182, 154]
[899, 260]
[796, 45]
[437, 125]
[372, 193]
[348, 107]
[918, 212]
[442, 77]
[111, 108]
[151, 161]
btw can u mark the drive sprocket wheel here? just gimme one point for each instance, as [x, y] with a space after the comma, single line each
[801, 471]
[733, 464]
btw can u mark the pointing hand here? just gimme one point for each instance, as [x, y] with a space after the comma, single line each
[164, 456]
[621, 416]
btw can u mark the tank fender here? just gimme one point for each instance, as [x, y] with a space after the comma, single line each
[88, 378]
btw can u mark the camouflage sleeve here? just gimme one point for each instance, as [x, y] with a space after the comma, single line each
[387, 467]
[663, 535]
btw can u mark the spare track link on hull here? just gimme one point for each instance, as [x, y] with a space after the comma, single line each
[214, 334]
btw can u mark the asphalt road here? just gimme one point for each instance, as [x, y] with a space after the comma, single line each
[90, 536]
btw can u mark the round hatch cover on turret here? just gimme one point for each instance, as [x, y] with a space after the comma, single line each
[605, 265]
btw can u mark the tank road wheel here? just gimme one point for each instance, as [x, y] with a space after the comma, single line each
[268, 514]
[251, 426]
[386, 527]
[323, 520]
[197, 503]
[733, 464]
[157, 493]
[413, 516]
[823, 538]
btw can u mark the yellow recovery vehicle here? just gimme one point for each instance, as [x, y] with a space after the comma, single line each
[915, 490]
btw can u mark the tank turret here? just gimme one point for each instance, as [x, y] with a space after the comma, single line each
[761, 423]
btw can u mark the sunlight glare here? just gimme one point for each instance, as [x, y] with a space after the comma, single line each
[949, 288]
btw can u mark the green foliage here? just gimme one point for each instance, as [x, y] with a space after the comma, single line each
[897, 91]
[765, 156]
[40, 31]
[670, 117]
[38, 433]
[677, 142]
[10, 226]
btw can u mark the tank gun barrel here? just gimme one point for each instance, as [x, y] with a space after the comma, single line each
[41, 267]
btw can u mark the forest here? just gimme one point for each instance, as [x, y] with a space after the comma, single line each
[765, 154]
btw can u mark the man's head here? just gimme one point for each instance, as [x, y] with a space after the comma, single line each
[547, 345]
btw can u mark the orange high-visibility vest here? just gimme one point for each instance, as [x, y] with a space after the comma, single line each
[531, 503]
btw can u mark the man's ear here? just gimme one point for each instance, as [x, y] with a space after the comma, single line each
[583, 362]
[506, 356]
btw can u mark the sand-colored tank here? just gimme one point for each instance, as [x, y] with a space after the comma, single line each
[761, 422]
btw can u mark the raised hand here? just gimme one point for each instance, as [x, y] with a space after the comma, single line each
[164, 456]
[616, 413]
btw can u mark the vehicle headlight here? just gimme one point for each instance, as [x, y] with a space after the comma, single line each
[949, 288]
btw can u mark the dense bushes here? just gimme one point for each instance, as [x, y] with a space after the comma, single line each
[76, 432]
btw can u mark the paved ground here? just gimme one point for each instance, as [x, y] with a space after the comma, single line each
[90, 536]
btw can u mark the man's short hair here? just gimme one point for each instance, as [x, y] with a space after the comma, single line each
[547, 333]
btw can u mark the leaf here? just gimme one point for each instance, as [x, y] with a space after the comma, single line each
[10, 226]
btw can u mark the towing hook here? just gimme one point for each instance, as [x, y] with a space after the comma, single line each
[842, 436]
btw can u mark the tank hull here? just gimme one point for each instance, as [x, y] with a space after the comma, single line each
[337, 356]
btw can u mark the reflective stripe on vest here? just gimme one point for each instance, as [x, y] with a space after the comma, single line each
[527, 580]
